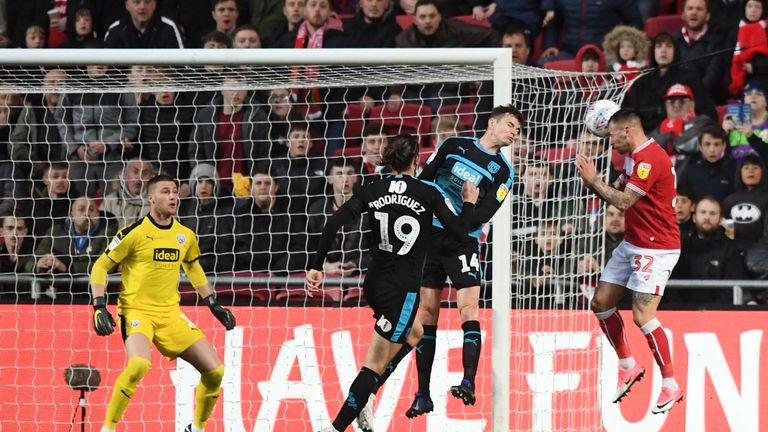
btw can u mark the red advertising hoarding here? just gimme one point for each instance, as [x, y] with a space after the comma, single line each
[288, 369]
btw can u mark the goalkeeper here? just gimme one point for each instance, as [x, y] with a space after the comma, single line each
[151, 252]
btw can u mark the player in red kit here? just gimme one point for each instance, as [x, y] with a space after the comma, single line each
[642, 263]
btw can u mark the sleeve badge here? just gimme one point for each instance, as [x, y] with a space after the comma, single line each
[643, 170]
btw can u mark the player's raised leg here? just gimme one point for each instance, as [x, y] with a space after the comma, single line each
[203, 358]
[468, 300]
[137, 347]
[607, 296]
[644, 306]
[429, 313]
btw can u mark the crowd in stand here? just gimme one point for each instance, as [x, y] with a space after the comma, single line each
[261, 171]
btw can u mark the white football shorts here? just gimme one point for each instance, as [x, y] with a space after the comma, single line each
[640, 269]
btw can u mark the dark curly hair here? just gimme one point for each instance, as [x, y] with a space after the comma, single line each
[401, 151]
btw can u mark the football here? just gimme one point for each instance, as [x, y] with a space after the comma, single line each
[599, 115]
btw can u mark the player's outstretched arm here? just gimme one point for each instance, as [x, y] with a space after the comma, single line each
[458, 226]
[103, 322]
[622, 200]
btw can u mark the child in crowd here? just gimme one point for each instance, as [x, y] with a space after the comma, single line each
[626, 50]
[35, 37]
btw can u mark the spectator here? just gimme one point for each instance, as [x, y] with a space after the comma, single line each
[526, 14]
[225, 14]
[372, 148]
[750, 56]
[697, 41]
[516, 38]
[709, 172]
[99, 130]
[143, 27]
[214, 39]
[747, 206]
[577, 24]
[614, 229]
[210, 217]
[16, 247]
[267, 17]
[18, 155]
[725, 15]
[74, 245]
[281, 113]
[293, 14]
[127, 202]
[349, 255]
[442, 127]
[373, 26]
[260, 226]
[50, 203]
[431, 30]
[646, 96]
[35, 37]
[626, 50]
[589, 266]
[82, 32]
[229, 134]
[708, 254]
[684, 213]
[679, 132]
[5, 41]
[246, 36]
[590, 59]
[166, 122]
[752, 135]
[321, 28]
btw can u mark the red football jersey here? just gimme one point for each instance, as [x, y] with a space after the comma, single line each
[651, 223]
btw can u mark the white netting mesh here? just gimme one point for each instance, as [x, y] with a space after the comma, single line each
[84, 132]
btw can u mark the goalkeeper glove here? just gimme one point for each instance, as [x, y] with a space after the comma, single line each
[221, 313]
[102, 319]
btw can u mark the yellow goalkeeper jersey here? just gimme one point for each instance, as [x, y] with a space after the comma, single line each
[152, 256]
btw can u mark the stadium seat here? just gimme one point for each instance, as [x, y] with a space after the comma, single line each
[722, 110]
[404, 21]
[354, 124]
[664, 23]
[411, 118]
[561, 65]
[469, 19]
[465, 112]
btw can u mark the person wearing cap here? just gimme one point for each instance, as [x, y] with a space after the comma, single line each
[750, 136]
[678, 133]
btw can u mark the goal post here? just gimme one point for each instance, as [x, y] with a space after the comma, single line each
[542, 371]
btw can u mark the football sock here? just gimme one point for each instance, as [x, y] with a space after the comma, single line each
[425, 356]
[613, 327]
[657, 341]
[470, 356]
[206, 395]
[366, 383]
[125, 386]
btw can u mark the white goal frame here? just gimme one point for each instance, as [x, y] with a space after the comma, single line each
[499, 58]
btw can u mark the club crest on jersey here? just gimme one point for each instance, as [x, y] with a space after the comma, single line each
[181, 238]
[643, 170]
[465, 173]
[493, 167]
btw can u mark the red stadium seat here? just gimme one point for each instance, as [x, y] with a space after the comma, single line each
[411, 118]
[354, 124]
[469, 19]
[562, 65]
[404, 21]
[664, 23]
[722, 110]
[465, 112]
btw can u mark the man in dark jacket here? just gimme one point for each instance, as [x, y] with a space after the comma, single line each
[143, 28]
[708, 254]
[373, 26]
[431, 30]
[710, 172]
[646, 96]
[695, 40]
[210, 217]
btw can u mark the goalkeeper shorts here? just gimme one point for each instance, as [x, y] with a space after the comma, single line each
[171, 333]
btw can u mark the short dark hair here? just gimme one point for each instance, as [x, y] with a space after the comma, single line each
[264, 168]
[714, 130]
[342, 162]
[502, 110]
[713, 199]
[22, 216]
[373, 129]
[625, 115]
[83, 11]
[214, 3]
[245, 27]
[663, 37]
[426, 3]
[515, 29]
[55, 166]
[215, 36]
[294, 126]
[161, 178]
[401, 151]
[590, 54]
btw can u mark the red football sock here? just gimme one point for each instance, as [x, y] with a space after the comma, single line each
[613, 327]
[657, 341]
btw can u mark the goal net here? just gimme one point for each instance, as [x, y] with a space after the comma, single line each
[266, 146]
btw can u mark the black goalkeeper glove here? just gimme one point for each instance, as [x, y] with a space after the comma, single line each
[102, 319]
[224, 315]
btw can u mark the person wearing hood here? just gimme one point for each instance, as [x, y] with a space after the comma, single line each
[373, 25]
[750, 56]
[626, 50]
[707, 253]
[751, 136]
[747, 206]
[646, 94]
[210, 217]
[710, 172]
[128, 201]
[82, 32]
